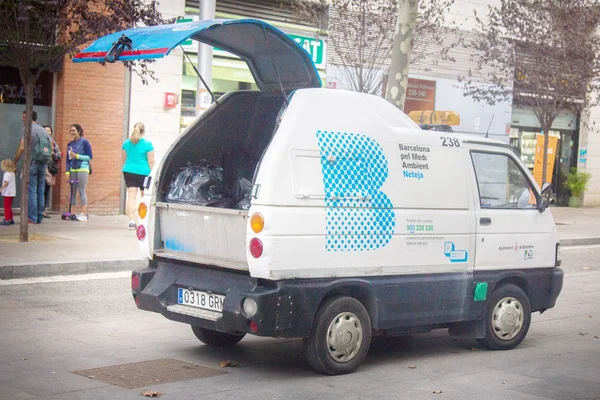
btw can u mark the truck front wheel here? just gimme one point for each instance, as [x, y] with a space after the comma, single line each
[216, 339]
[507, 318]
[340, 336]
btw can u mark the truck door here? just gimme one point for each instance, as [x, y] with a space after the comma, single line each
[511, 232]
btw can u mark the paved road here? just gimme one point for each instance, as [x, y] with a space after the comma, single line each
[53, 326]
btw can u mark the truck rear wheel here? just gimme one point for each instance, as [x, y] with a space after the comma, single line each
[507, 318]
[215, 338]
[340, 336]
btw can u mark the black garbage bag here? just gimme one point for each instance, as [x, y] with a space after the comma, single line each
[200, 184]
[241, 194]
[244, 204]
[241, 190]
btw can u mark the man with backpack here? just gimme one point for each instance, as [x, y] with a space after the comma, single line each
[52, 169]
[41, 153]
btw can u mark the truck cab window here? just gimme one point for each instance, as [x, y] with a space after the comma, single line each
[502, 183]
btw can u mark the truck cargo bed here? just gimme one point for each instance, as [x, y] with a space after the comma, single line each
[206, 235]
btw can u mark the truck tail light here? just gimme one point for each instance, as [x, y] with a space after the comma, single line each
[256, 247]
[141, 233]
[142, 210]
[257, 222]
[253, 326]
[135, 282]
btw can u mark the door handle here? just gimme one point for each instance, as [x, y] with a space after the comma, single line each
[485, 221]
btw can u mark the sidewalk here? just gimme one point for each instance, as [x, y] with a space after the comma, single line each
[104, 244]
[577, 226]
[57, 247]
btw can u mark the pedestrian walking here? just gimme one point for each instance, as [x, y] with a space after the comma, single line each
[138, 160]
[78, 168]
[8, 190]
[41, 153]
[52, 169]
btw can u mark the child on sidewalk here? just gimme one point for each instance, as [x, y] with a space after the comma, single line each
[8, 190]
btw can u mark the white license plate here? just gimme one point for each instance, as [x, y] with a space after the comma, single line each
[200, 299]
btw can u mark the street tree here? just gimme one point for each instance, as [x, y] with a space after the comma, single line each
[419, 24]
[36, 35]
[359, 36]
[542, 55]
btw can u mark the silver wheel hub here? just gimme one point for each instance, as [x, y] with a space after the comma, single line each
[344, 337]
[507, 320]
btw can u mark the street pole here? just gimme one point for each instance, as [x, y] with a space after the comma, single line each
[206, 10]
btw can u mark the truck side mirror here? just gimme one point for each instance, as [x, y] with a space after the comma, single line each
[544, 201]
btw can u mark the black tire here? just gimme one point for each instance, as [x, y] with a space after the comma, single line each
[507, 306]
[328, 358]
[215, 338]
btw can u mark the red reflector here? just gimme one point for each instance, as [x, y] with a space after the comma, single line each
[135, 283]
[253, 326]
[256, 247]
[141, 233]
[137, 301]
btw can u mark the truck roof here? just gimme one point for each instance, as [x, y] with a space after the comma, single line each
[372, 105]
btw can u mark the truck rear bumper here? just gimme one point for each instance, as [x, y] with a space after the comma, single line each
[158, 292]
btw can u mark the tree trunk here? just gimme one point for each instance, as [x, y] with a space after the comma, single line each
[24, 226]
[401, 52]
[546, 130]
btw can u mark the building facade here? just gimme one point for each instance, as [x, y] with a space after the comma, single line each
[108, 100]
[434, 84]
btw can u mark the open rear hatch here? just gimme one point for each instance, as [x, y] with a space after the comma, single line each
[209, 235]
[275, 60]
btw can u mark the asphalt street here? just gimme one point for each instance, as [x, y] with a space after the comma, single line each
[51, 327]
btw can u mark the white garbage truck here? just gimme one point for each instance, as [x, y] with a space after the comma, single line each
[298, 211]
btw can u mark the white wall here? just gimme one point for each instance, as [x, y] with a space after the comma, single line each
[461, 12]
[589, 139]
[147, 101]
[338, 76]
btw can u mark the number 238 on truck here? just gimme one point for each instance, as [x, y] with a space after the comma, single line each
[357, 221]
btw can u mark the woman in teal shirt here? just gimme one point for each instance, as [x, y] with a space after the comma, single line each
[138, 160]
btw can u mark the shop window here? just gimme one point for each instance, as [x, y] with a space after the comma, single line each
[12, 90]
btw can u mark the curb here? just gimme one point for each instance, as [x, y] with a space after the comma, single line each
[77, 268]
[587, 241]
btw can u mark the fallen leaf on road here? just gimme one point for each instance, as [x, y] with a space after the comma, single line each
[437, 392]
[589, 316]
[24, 358]
[412, 366]
[229, 363]
[596, 337]
[151, 393]
[583, 333]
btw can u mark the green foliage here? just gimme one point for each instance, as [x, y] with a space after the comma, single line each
[576, 182]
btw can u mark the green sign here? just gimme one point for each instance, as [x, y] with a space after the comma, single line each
[314, 47]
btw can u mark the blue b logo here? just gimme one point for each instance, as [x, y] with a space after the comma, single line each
[359, 216]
